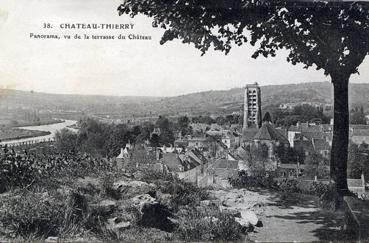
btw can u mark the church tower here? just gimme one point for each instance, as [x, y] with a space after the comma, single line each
[252, 107]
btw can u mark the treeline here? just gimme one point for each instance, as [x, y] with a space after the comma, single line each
[101, 139]
[220, 120]
[301, 113]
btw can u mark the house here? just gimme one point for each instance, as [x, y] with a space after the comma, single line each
[229, 138]
[200, 128]
[196, 155]
[322, 147]
[271, 137]
[248, 135]
[198, 142]
[290, 170]
[296, 170]
[357, 185]
[181, 143]
[173, 163]
[311, 138]
[218, 172]
[304, 145]
[124, 156]
[359, 134]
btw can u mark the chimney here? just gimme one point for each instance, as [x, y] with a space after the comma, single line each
[362, 179]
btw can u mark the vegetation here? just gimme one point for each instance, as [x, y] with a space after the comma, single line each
[357, 116]
[16, 133]
[71, 196]
[300, 113]
[263, 180]
[106, 140]
[289, 155]
[196, 104]
[358, 161]
[60, 190]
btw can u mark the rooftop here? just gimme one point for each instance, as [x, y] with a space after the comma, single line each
[268, 132]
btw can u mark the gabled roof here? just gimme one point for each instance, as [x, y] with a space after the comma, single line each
[196, 155]
[268, 132]
[225, 164]
[321, 144]
[305, 127]
[354, 183]
[248, 134]
[172, 161]
[307, 145]
[360, 132]
[314, 135]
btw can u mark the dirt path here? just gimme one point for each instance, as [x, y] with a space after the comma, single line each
[285, 217]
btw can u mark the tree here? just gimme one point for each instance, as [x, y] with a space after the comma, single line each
[220, 120]
[183, 123]
[66, 141]
[166, 136]
[357, 116]
[267, 117]
[155, 140]
[332, 36]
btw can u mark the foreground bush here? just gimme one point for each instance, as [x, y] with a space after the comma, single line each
[257, 180]
[45, 169]
[288, 185]
[207, 225]
[32, 215]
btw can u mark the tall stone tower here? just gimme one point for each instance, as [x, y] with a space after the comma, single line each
[252, 106]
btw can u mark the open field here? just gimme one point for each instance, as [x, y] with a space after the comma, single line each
[16, 133]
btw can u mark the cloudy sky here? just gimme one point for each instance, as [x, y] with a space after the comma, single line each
[123, 67]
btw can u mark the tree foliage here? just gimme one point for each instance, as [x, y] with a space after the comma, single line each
[323, 34]
[66, 140]
[357, 116]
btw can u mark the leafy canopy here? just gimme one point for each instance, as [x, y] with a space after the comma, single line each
[332, 36]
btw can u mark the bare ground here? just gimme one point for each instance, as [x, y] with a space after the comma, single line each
[285, 217]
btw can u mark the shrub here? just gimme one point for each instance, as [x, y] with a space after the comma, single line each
[187, 194]
[207, 225]
[288, 185]
[256, 180]
[153, 176]
[32, 214]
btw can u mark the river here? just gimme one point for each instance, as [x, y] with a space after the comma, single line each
[52, 128]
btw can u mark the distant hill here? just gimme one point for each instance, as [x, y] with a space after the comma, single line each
[229, 101]
[208, 102]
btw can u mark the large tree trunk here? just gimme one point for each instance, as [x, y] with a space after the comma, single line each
[338, 165]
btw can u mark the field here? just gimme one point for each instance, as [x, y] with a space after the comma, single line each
[16, 133]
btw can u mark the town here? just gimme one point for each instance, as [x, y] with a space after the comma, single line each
[208, 152]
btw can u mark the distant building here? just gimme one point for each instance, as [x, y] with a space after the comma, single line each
[228, 138]
[252, 106]
[359, 134]
[271, 137]
[124, 157]
[198, 142]
[357, 185]
[310, 131]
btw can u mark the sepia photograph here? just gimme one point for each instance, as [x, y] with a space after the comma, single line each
[184, 121]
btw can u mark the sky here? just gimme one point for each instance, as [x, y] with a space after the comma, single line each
[123, 67]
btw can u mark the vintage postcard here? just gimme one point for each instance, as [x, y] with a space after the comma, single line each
[184, 120]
